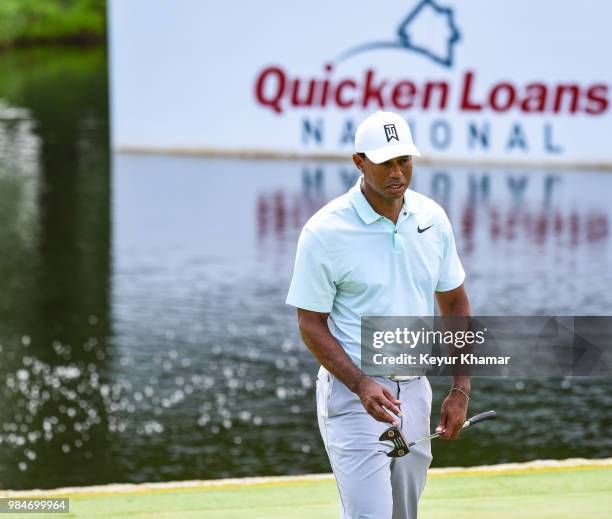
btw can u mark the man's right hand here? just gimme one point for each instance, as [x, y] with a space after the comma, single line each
[377, 400]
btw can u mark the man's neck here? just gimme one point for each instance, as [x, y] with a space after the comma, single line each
[388, 208]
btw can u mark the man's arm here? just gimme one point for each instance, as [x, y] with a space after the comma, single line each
[329, 352]
[454, 408]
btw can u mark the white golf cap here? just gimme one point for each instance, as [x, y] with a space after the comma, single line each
[383, 136]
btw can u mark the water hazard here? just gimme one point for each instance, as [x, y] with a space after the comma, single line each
[144, 335]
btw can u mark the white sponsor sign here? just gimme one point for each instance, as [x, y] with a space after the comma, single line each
[516, 81]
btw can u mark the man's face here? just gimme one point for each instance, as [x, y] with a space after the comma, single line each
[388, 180]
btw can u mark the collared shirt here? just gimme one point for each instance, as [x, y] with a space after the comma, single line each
[352, 262]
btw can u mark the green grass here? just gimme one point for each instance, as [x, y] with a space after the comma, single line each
[554, 494]
[31, 21]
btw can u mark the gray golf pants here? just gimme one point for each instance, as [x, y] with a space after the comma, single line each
[371, 484]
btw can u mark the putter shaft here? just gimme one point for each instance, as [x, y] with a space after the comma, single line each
[488, 415]
[430, 437]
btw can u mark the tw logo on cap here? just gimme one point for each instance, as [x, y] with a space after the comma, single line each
[391, 132]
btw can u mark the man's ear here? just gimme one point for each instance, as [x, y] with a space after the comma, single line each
[358, 161]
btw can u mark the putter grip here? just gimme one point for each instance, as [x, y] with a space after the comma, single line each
[487, 415]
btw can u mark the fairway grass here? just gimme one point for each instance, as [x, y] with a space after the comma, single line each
[525, 491]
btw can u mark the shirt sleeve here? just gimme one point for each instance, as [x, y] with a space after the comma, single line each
[312, 286]
[451, 271]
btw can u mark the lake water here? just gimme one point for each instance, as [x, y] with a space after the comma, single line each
[143, 330]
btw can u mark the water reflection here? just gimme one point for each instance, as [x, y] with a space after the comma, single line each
[221, 287]
[55, 238]
[164, 350]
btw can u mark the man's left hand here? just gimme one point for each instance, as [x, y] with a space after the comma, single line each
[452, 416]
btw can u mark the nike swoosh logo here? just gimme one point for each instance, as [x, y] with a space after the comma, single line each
[423, 230]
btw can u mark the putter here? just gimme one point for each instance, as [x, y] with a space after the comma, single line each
[401, 447]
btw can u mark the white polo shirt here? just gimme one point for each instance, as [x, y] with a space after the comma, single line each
[353, 262]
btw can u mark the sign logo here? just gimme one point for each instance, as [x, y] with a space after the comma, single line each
[391, 132]
[454, 109]
[429, 29]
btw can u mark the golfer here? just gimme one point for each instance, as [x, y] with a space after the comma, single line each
[380, 249]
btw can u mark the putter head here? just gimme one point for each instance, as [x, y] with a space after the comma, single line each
[400, 445]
